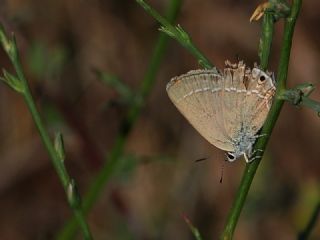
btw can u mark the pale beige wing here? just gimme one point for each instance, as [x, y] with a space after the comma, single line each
[233, 94]
[198, 96]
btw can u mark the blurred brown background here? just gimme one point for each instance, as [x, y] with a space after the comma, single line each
[61, 42]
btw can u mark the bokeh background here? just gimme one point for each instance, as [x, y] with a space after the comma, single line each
[62, 43]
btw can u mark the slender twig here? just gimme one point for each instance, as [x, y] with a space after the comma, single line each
[305, 234]
[299, 96]
[266, 40]
[310, 103]
[179, 34]
[56, 153]
[195, 232]
[115, 83]
[251, 168]
[264, 53]
[113, 159]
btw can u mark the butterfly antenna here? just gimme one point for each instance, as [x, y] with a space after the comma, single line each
[222, 168]
[237, 57]
[201, 159]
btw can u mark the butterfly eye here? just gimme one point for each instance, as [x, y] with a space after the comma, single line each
[262, 78]
[230, 156]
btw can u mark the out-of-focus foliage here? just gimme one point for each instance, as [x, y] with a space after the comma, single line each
[62, 42]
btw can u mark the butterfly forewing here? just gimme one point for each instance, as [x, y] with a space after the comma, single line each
[198, 96]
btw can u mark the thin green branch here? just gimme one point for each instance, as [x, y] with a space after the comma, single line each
[20, 84]
[113, 162]
[195, 232]
[266, 40]
[261, 144]
[234, 214]
[299, 96]
[114, 82]
[310, 103]
[179, 34]
[305, 234]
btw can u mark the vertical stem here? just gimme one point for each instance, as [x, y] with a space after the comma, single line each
[112, 162]
[287, 43]
[64, 177]
[266, 40]
[72, 197]
[264, 53]
[251, 168]
[305, 234]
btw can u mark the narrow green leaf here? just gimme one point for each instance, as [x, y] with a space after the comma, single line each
[12, 81]
[177, 33]
[73, 195]
[194, 230]
[5, 42]
[114, 82]
[59, 146]
[9, 45]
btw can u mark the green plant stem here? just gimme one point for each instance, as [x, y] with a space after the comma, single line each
[117, 151]
[305, 234]
[233, 217]
[195, 232]
[64, 177]
[178, 34]
[57, 163]
[310, 103]
[299, 96]
[251, 168]
[266, 40]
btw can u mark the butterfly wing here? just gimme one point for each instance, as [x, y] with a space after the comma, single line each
[198, 96]
[233, 94]
[247, 98]
[260, 93]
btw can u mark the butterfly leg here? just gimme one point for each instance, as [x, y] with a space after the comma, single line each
[246, 158]
[257, 150]
[260, 135]
[249, 160]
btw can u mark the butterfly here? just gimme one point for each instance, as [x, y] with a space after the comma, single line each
[227, 108]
